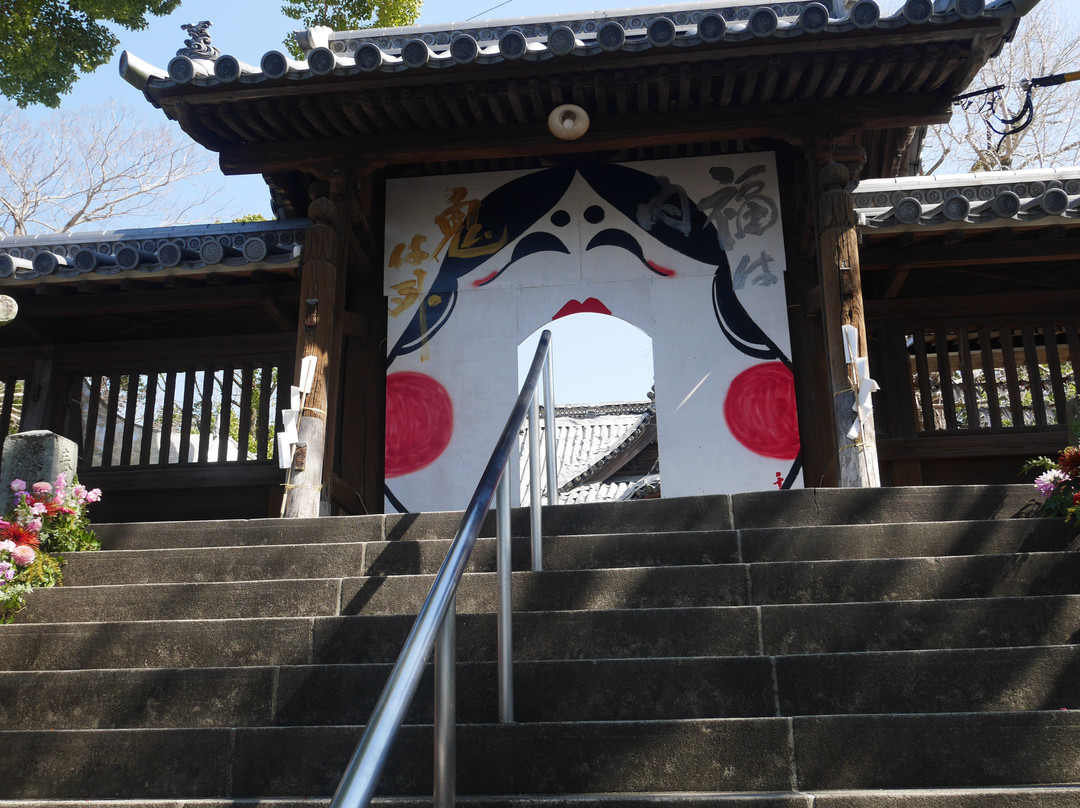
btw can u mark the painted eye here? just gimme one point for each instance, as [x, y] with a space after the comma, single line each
[594, 214]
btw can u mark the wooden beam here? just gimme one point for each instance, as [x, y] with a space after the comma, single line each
[162, 300]
[637, 130]
[1019, 444]
[188, 475]
[896, 281]
[927, 255]
[159, 353]
[923, 310]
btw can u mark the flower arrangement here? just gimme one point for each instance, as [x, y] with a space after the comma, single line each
[1059, 484]
[48, 518]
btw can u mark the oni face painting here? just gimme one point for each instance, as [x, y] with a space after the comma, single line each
[688, 250]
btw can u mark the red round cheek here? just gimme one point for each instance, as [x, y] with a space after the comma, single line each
[760, 411]
[419, 422]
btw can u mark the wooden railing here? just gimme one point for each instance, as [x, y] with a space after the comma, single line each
[11, 400]
[992, 377]
[972, 386]
[181, 413]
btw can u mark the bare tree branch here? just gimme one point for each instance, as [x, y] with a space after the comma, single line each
[101, 166]
[1047, 43]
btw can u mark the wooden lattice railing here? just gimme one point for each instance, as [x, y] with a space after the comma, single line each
[182, 413]
[985, 377]
[11, 400]
[972, 386]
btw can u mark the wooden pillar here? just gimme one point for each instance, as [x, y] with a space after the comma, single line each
[318, 335]
[842, 304]
[359, 484]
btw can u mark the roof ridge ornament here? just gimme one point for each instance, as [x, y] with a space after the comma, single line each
[198, 44]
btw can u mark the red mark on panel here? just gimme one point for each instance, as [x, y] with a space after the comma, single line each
[659, 270]
[419, 422]
[760, 411]
[487, 278]
[589, 306]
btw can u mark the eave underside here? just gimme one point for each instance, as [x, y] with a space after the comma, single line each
[690, 96]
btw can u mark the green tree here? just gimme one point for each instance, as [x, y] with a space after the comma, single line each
[349, 15]
[47, 43]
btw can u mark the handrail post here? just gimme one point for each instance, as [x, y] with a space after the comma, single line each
[549, 429]
[503, 574]
[446, 711]
[535, 540]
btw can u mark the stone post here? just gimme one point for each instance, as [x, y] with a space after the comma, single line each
[33, 457]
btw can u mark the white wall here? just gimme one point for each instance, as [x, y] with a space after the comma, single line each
[653, 264]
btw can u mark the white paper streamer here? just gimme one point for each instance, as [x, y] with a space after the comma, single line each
[307, 373]
[284, 454]
[863, 385]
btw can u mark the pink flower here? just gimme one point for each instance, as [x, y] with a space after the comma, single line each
[18, 485]
[7, 571]
[61, 481]
[7, 545]
[80, 492]
[34, 525]
[1046, 481]
[23, 554]
[42, 489]
[93, 495]
[38, 509]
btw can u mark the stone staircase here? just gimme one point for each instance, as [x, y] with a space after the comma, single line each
[901, 648]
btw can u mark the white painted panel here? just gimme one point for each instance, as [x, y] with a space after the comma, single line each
[689, 250]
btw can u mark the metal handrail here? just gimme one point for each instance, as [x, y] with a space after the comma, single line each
[435, 622]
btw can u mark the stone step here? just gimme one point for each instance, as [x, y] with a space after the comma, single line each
[934, 681]
[864, 580]
[586, 690]
[777, 630]
[770, 509]
[328, 560]
[943, 577]
[717, 754]
[725, 631]
[898, 540]
[657, 587]
[676, 514]
[727, 754]
[912, 625]
[324, 560]
[1004, 797]
[865, 506]
[986, 680]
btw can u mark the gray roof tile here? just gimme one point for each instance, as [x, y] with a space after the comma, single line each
[393, 50]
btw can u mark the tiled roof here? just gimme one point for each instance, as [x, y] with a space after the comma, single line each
[586, 438]
[135, 252]
[617, 489]
[539, 38]
[1033, 196]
